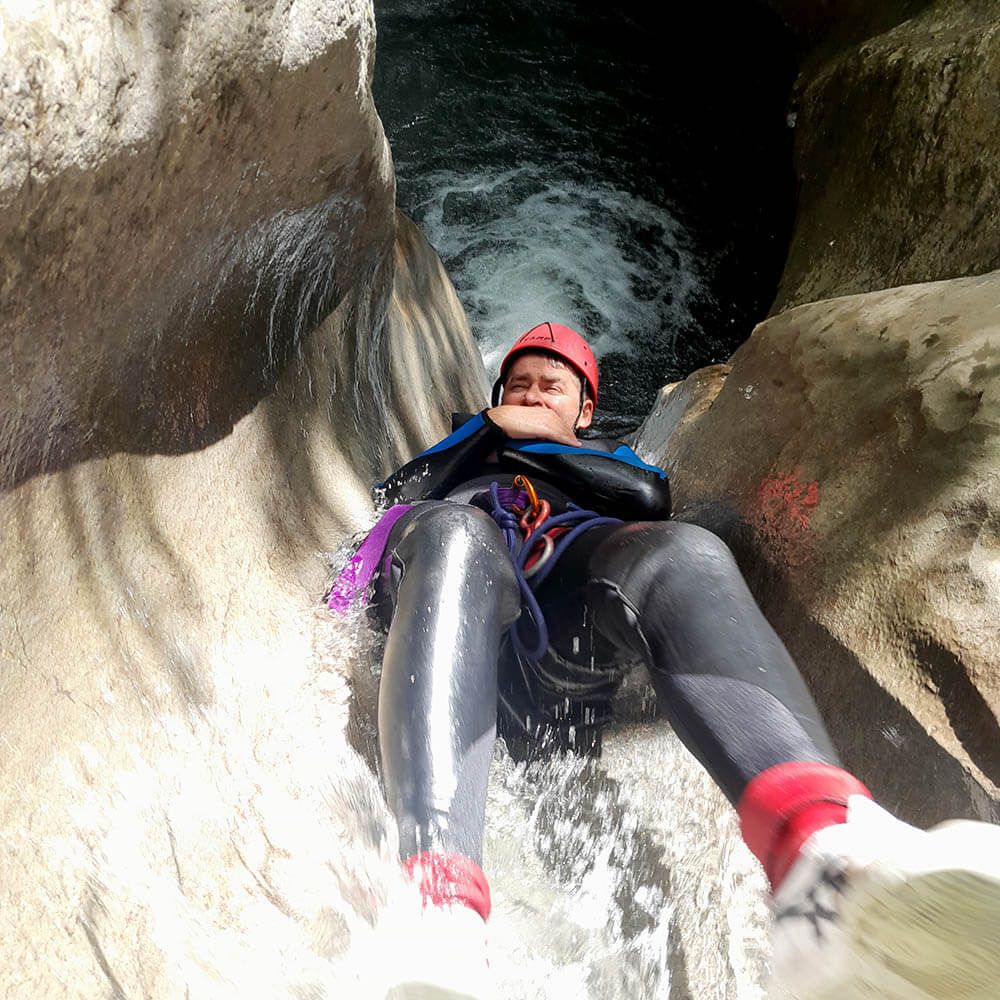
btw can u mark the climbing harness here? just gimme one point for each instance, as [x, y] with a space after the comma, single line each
[535, 540]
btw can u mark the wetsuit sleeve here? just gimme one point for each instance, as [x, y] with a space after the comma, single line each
[618, 483]
[442, 467]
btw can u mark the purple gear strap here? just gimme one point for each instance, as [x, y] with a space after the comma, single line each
[355, 577]
[512, 496]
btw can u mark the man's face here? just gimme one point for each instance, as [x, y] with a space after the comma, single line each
[536, 379]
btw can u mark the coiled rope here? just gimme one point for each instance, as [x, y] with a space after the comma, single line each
[522, 535]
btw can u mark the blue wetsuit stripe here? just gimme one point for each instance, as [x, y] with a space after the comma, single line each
[473, 424]
[623, 453]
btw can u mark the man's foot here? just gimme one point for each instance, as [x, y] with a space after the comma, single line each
[439, 945]
[442, 956]
[876, 908]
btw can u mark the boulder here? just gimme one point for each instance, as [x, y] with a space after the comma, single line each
[851, 460]
[680, 403]
[895, 114]
[217, 332]
[184, 190]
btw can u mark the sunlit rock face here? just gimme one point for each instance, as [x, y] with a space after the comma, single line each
[208, 301]
[895, 117]
[851, 460]
[184, 189]
[850, 455]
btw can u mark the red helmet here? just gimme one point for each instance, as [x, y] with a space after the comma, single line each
[559, 340]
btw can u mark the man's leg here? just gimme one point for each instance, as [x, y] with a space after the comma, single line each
[672, 595]
[865, 905]
[447, 596]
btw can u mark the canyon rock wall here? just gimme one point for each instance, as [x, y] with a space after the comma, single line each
[217, 332]
[852, 460]
[850, 456]
[895, 112]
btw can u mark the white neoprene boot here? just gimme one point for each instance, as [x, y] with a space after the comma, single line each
[438, 947]
[875, 908]
[441, 956]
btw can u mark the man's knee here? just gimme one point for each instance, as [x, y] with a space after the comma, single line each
[459, 537]
[436, 527]
[641, 554]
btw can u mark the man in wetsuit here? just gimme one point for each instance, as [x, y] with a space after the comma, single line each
[667, 593]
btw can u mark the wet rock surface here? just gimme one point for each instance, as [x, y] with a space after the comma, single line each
[895, 112]
[209, 305]
[851, 461]
[157, 232]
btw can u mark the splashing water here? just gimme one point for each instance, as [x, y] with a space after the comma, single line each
[522, 246]
[619, 879]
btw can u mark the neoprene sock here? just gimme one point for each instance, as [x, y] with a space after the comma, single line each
[446, 879]
[785, 805]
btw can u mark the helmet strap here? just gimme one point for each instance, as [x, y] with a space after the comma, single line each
[583, 399]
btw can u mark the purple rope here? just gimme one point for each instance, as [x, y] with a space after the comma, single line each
[583, 520]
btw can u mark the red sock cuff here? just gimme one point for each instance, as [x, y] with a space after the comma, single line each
[445, 879]
[786, 804]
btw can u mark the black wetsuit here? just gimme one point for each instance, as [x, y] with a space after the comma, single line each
[664, 592]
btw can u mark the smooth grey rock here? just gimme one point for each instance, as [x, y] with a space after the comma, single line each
[852, 460]
[209, 305]
[895, 116]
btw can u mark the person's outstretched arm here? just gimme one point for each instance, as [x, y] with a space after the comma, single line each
[439, 469]
[617, 483]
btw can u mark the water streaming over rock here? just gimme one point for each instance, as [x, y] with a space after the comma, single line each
[587, 166]
[619, 879]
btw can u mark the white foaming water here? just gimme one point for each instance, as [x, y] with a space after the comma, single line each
[244, 853]
[580, 904]
[523, 246]
[621, 880]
